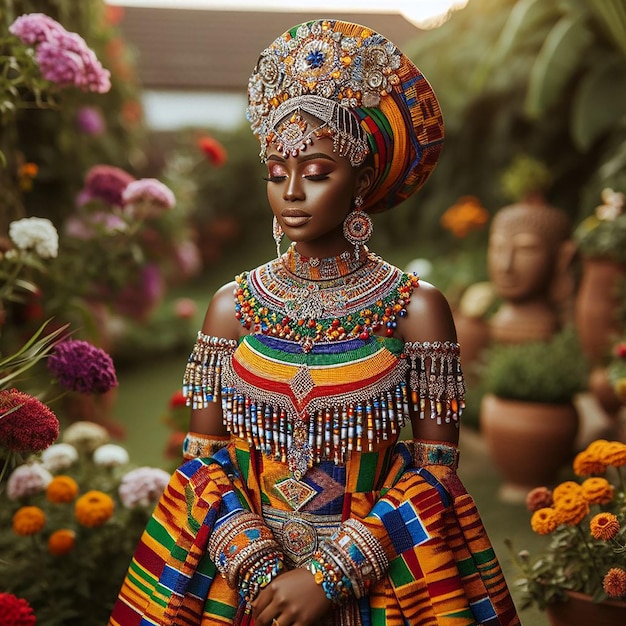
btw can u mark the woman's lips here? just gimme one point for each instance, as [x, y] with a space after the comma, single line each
[294, 217]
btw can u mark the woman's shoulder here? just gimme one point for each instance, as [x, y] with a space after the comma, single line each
[220, 319]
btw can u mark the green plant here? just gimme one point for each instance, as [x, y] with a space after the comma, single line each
[586, 524]
[539, 371]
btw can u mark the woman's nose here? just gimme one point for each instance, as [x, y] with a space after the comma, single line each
[293, 189]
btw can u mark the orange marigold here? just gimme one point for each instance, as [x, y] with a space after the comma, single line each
[94, 508]
[61, 542]
[29, 520]
[466, 215]
[571, 509]
[596, 446]
[538, 498]
[587, 463]
[597, 490]
[604, 526]
[544, 521]
[565, 489]
[62, 489]
[614, 454]
[614, 582]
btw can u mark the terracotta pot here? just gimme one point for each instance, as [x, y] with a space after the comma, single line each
[580, 610]
[529, 442]
[597, 306]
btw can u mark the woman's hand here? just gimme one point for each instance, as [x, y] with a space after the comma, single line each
[292, 599]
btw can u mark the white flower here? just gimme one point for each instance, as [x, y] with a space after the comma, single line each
[59, 456]
[86, 435]
[477, 299]
[110, 455]
[143, 487]
[35, 232]
[27, 480]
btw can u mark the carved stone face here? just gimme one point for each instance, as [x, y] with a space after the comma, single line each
[521, 263]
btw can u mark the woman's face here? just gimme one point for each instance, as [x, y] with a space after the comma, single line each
[311, 193]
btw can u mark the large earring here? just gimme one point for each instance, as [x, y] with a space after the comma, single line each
[358, 226]
[277, 233]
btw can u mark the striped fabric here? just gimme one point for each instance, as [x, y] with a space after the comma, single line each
[443, 570]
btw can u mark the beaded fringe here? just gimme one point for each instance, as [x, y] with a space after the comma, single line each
[335, 431]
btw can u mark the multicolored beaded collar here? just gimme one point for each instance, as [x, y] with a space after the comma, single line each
[272, 300]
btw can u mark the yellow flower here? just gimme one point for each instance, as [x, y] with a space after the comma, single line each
[544, 521]
[565, 489]
[29, 520]
[94, 508]
[571, 509]
[597, 490]
[614, 454]
[587, 463]
[62, 489]
[61, 542]
[604, 526]
[614, 582]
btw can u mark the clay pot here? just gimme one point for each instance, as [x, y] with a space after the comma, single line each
[581, 610]
[597, 306]
[529, 442]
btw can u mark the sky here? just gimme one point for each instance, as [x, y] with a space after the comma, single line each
[424, 13]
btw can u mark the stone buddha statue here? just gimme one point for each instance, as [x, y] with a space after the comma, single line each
[529, 259]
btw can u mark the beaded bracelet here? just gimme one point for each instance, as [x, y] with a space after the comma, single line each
[259, 570]
[434, 453]
[197, 445]
[329, 575]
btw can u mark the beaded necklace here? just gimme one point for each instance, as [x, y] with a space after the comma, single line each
[357, 303]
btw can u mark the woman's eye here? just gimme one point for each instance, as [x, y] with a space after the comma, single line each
[274, 179]
[316, 176]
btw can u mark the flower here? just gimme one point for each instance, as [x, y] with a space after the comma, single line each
[62, 489]
[94, 508]
[213, 150]
[26, 424]
[142, 487]
[90, 120]
[29, 520]
[80, 366]
[34, 28]
[36, 233]
[105, 183]
[586, 463]
[185, 308]
[110, 455]
[465, 216]
[538, 498]
[27, 480]
[15, 611]
[614, 583]
[147, 197]
[85, 435]
[61, 542]
[585, 528]
[59, 456]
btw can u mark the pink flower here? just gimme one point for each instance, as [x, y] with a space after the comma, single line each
[140, 296]
[105, 183]
[79, 366]
[148, 197]
[86, 227]
[27, 480]
[143, 486]
[90, 121]
[34, 28]
[185, 308]
[65, 59]
[26, 424]
[15, 611]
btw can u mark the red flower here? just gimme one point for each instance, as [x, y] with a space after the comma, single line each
[213, 150]
[177, 399]
[620, 350]
[15, 611]
[26, 424]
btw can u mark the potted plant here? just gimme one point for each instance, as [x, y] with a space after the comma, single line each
[527, 414]
[580, 576]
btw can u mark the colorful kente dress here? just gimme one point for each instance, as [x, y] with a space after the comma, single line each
[315, 399]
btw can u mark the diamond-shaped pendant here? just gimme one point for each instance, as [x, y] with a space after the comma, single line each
[295, 492]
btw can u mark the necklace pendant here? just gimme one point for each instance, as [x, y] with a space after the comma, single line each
[295, 492]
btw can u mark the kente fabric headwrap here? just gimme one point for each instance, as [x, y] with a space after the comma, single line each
[366, 93]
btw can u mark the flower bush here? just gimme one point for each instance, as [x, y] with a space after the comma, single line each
[585, 522]
[69, 525]
[603, 234]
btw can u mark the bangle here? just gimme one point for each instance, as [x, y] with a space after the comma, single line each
[434, 453]
[330, 577]
[259, 570]
[196, 445]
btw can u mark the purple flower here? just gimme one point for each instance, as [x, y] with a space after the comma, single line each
[65, 59]
[148, 197]
[106, 183]
[80, 366]
[90, 120]
[34, 28]
[142, 487]
[28, 480]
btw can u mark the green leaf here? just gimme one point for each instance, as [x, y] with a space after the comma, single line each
[599, 103]
[557, 61]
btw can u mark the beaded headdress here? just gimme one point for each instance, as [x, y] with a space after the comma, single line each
[367, 95]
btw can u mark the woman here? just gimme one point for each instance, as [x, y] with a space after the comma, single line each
[298, 506]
